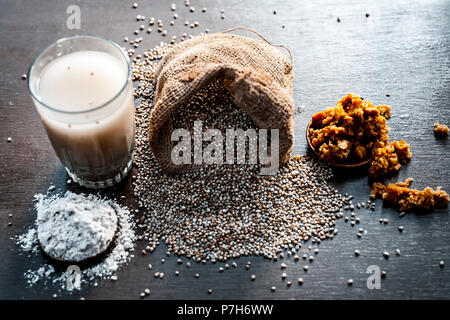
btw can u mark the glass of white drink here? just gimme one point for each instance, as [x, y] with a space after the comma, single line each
[82, 89]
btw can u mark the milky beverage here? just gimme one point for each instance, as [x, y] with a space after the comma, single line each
[92, 139]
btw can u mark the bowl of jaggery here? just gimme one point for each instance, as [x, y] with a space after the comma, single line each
[348, 163]
[354, 134]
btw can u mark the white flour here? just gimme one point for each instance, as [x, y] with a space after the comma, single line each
[122, 247]
[75, 227]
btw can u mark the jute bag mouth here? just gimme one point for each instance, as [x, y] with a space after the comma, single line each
[258, 76]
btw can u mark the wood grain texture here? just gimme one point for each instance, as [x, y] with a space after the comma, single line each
[401, 49]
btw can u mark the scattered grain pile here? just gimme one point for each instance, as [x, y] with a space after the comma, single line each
[219, 118]
[222, 212]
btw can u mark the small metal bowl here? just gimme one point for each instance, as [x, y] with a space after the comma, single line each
[358, 164]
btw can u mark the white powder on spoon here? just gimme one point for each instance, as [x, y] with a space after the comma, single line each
[75, 227]
[120, 253]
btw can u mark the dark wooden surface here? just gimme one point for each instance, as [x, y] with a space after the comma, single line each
[401, 49]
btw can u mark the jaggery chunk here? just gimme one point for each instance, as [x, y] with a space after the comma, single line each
[339, 149]
[349, 130]
[387, 158]
[405, 183]
[400, 195]
[360, 151]
[440, 130]
[354, 130]
[385, 111]
[402, 151]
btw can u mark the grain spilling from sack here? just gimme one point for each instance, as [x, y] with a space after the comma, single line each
[223, 212]
[258, 76]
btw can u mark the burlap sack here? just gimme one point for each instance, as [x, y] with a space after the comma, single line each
[258, 76]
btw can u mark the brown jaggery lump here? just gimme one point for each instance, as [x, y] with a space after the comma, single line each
[378, 187]
[387, 158]
[355, 129]
[400, 195]
[440, 130]
[350, 129]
